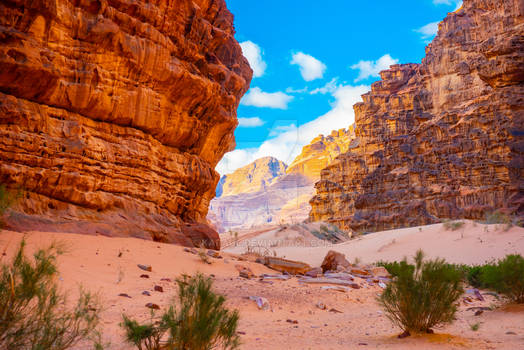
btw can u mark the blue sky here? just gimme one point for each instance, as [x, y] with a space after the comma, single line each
[313, 59]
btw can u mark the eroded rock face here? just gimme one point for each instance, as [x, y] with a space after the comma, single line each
[321, 151]
[440, 139]
[114, 114]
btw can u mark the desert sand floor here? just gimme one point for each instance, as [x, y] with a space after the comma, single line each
[109, 266]
[473, 243]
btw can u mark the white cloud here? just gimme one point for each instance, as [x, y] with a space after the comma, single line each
[429, 30]
[258, 98]
[286, 144]
[330, 87]
[253, 54]
[291, 90]
[457, 3]
[372, 68]
[250, 122]
[310, 67]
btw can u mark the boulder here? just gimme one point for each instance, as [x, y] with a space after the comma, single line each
[333, 260]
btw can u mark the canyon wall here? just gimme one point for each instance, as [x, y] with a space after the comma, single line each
[440, 139]
[114, 114]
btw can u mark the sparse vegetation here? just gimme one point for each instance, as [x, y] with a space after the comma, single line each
[33, 313]
[475, 327]
[330, 233]
[453, 225]
[146, 336]
[423, 295]
[199, 322]
[7, 199]
[506, 277]
[202, 254]
[501, 218]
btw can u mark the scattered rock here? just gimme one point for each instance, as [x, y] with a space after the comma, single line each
[479, 312]
[334, 259]
[286, 266]
[511, 333]
[324, 280]
[335, 311]
[153, 306]
[478, 308]
[146, 293]
[321, 305]
[340, 275]
[144, 276]
[382, 285]
[262, 303]
[145, 267]
[246, 273]
[314, 272]
[214, 254]
[124, 295]
[404, 335]
[292, 321]
[337, 288]
[241, 333]
[166, 279]
[354, 285]
[380, 271]
[158, 289]
[359, 272]
[275, 277]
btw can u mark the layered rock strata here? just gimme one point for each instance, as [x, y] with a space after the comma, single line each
[440, 139]
[114, 114]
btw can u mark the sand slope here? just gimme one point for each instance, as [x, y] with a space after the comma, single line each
[471, 244]
[93, 262]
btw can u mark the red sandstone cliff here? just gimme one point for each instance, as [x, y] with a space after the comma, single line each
[114, 113]
[440, 139]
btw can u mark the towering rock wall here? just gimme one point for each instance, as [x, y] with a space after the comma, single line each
[440, 139]
[114, 113]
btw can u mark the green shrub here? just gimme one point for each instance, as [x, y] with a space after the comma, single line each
[32, 311]
[453, 225]
[145, 336]
[421, 296]
[199, 322]
[7, 199]
[506, 277]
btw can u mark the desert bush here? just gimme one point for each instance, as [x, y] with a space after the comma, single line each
[453, 225]
[33, 314]
[421, 296]
[145, 336]
[506, 277]
[7, 199]
[199, 322]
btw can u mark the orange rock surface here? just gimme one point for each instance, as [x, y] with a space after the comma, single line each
[114, 114]
[440, 139]
[320, 152]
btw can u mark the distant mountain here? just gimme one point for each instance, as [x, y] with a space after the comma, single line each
[268, 192]
[253, 177]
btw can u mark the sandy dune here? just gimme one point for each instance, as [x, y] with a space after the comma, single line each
[94, 262]
[471, 244]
